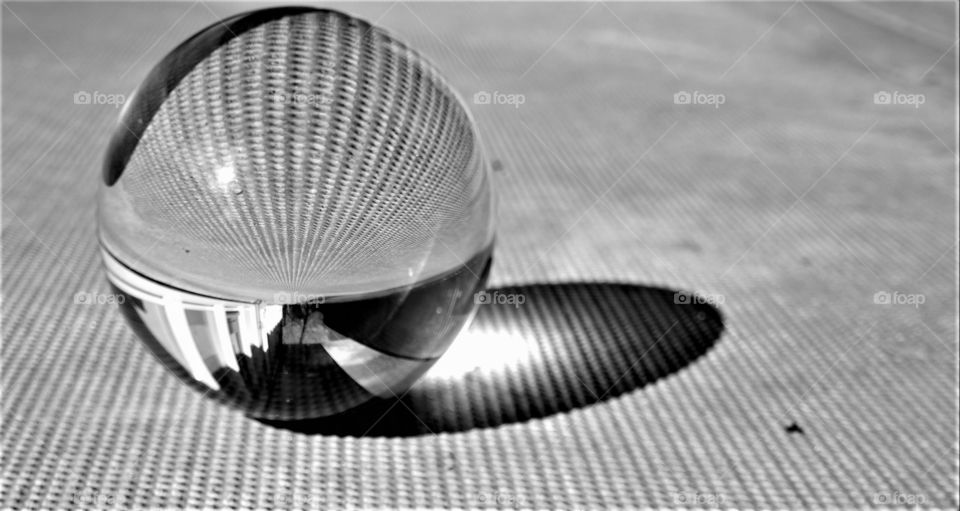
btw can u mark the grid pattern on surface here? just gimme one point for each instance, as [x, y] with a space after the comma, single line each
[693, 198]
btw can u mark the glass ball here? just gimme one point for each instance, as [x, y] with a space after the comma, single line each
[296, 212]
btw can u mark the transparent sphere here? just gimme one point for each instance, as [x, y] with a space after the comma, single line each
[297, 213]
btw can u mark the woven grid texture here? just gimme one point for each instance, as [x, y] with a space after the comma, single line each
[788, 208]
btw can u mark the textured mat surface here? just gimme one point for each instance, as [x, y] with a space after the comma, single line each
[792, 208]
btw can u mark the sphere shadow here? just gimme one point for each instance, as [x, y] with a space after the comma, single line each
[536, 350]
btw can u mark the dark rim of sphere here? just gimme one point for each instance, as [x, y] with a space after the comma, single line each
[167, 75]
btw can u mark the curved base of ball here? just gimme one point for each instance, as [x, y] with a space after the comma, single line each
[287, 362]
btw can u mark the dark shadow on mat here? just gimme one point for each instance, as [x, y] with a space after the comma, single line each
[565, 347]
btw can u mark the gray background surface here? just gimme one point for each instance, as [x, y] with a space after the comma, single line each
[793, 203]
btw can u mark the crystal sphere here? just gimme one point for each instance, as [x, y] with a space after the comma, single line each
[296, 211]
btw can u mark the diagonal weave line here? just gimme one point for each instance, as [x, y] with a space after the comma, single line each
[38, 238]
[456, 256]
[139, 257]
[441, 41]
[944, 144]
[934, 264]
[937, 462]
[385, 413]
[649, 49]
[932, 66]
[557, 41]
[157, 41]
[760, 238]
[26, 172]
[862, 63]
[937, 337]
[844, 244]
[757, 157]
[598, 201]
[553, 153]
[197, 402]
[644, 354]
[219, 19]
[614, 384]
[380, 17]
[633, 233]
[764, 34]
[398, 400]
[800, 400]
[584, 385]
[828, 370]
[64, 64]
[799, 198]
[600, 197]
[842, 156]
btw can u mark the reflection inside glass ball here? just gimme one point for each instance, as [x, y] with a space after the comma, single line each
[296, 208]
